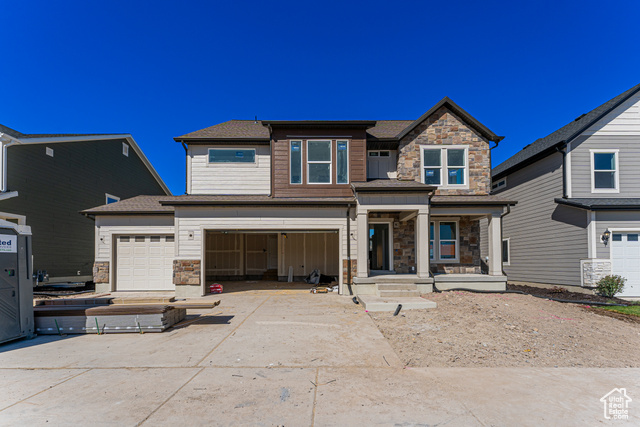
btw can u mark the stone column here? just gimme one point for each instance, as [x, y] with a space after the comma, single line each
[422, 243]
[495, 244]
[362, 224]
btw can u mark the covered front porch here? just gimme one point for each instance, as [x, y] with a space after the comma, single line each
[411, 244]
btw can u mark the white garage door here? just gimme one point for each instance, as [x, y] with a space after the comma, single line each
[145, 263]
[625, 260]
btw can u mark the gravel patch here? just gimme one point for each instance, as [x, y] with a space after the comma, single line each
[509, 330]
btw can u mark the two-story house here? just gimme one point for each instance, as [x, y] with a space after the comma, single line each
[381, 205]
[578, 192]
[46, 179]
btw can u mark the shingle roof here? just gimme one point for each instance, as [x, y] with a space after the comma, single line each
[601, 203]
[564, 134]
[252, 130]
[390, 185]
[134, 205]
[165, 204]
[471, 200]
[14, 133]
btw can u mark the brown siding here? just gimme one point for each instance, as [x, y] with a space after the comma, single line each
[280, 162]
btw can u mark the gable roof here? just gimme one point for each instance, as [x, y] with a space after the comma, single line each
[52, 138]
[378, 130]
[459, 111]
[543, 146]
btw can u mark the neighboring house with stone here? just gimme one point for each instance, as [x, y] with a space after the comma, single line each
[47, 179]
[388, 207]
[578, 192]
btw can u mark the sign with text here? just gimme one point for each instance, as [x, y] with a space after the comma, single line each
[8, 243]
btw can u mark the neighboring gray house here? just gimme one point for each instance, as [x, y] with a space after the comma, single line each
[578, 193]
[46, 180]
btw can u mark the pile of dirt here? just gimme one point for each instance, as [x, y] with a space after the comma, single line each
[509, 330]
[564, 294]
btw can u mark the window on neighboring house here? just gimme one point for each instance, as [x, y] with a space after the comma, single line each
[295, 164]
[342, 162]
[443, 241]
[319, 162]
[505, 251]
[232, 155]
[111, 199]
[499, 184]
[445, 166]
[125, 149]
[604, 171]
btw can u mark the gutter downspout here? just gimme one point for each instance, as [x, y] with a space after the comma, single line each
[562, 149]
[429, 197]
[349, 249]
[186, 166]
[3, 187]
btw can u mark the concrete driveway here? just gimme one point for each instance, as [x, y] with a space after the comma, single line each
[282, 358]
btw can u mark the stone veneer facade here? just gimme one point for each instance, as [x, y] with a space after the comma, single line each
[593, 270]
[444, 128]
[186, 272]
[101, 272]
[404, 252]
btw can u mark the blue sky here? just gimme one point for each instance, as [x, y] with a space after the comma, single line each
[159, 69]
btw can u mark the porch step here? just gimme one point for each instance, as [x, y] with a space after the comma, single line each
[388, 290]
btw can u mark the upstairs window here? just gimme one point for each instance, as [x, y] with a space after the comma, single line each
[295, 167]
[445, 166]
[604, 171]
[232, 155]
[319, 162]
[342, 162]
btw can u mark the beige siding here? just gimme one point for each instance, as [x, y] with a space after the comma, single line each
[108, 226]
[628, 220]
[628, 159]
[547, 240]
[194, 220]
[229, 178]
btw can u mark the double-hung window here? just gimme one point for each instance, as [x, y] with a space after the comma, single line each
[295, 165]
[443, 241]
[604, 171]
[445, 166]
[319, 162]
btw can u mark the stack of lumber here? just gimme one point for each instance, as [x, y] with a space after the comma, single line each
[105, 318]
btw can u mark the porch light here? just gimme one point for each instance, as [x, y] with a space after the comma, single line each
[605, 237]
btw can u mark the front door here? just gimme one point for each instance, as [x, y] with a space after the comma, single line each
[379, 247]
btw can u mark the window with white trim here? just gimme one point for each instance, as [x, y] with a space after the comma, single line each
[232, 155]
[445, 166]
[443, 241]
[319, 162]
[500, 184]
[604, 171]
[295, 162]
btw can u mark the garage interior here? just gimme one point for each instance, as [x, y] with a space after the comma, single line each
[270, 256]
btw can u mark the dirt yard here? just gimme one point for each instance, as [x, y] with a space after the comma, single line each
[509, 330]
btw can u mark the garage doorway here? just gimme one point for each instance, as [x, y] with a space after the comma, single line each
[266, 258]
